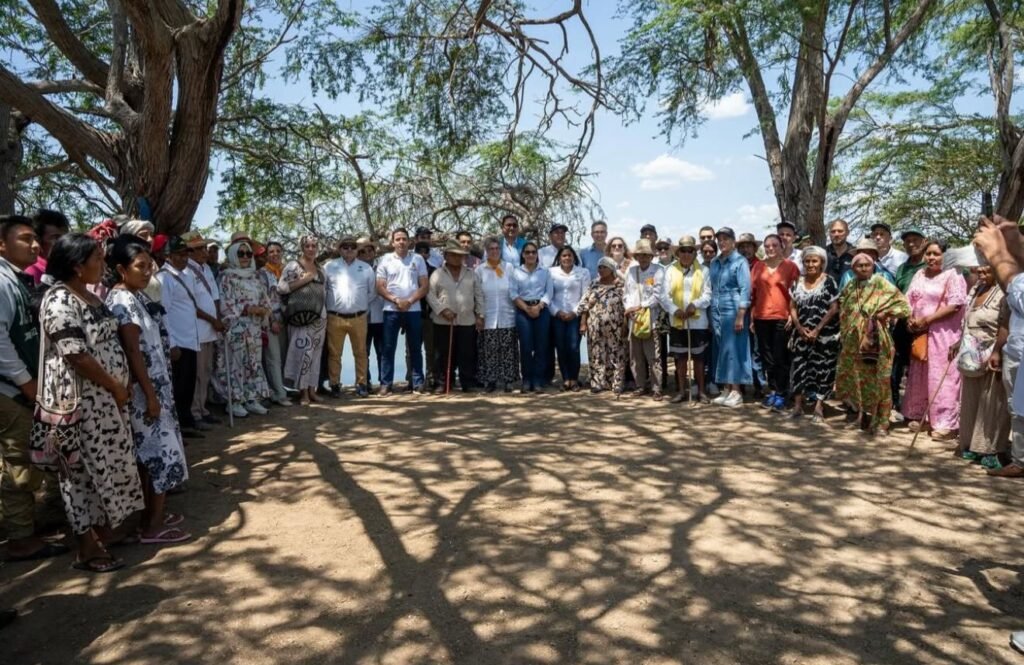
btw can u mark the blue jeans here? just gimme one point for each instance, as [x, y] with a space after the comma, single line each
[567, 345]
[412, 322]
[533, 346]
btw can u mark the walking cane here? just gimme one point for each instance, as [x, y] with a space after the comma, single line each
[688, 366]
[448, 371]
[227, 371]
[928, 408]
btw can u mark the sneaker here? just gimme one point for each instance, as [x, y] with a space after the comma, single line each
[896, 417]
[282, 401]
[991, 462]
[779, 404]
[734, 400]
[255, 407]
[419, 389]
[384, 390]
[720, 400]
[237, 410]
[970, 456]
[361, 391]
[769, 401]
[1017, 640]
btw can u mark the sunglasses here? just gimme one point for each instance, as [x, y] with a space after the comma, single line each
[529, 252]
[347, 246]
[245, 254]
[686, 250]
[618, 247]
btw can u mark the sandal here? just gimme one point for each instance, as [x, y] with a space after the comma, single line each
[817, 419]
[95, 564]
[970, 456]
[47, 551]
[991, 462]
[173, 519]
[166, 537]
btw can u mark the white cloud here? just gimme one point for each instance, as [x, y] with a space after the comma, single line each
[751, 218]
[623, 205]
[667, 172]
[730, 106]
[628, 228]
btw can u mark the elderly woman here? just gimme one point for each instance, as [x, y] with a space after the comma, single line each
[936, 299]
[687, 294]
[603, 320]
[984, 413]
[245, 307]
[531, 290]
[84, 365]
[569, 281]
[730, 299]
[866, 307]
[302, 282]
[814, 312]
[497, 343]
[771, 282]
[158, 446]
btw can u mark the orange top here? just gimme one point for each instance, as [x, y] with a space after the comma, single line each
[770, 289]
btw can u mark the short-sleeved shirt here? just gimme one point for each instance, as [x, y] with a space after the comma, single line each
[770, 290]
[402, 277]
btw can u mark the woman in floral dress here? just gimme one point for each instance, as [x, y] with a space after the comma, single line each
[158, 447]
[245, 307]
[814, 311]
[603, 320]
[305, 343]
[82, 353]
[866, 306]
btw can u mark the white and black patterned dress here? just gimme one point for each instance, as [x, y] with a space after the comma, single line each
[814, 364]
[106, 488]
[158, 444]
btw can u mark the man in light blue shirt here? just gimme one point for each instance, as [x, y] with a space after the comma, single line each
[511, 242]
[591, 255]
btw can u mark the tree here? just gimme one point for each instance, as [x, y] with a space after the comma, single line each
[690, 53]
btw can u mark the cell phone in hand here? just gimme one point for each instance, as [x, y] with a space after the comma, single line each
[986, 204]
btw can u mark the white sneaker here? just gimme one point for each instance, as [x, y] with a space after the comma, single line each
[282, 401]
[237, 411]
[255, 407]
[720, 400]
[896, 417]
[734, 400]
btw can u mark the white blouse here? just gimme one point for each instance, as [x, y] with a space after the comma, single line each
[568, 288]
[499, 312]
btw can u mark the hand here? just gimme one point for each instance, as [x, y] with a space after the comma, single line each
[738, 324]
[308, 276]
[953, 350]
[995, 361]
[789, 324]
[690, 310]
[121, 395]
[811, 336]
[752, 328]
[29, 390]
[448, 314]
[218, 325]
[997, 234]
[275, 327]
[175, 354]
[583, 328]
[534, 311]
[479, 323]
[152, 407]
[402, 304]
[630, 311]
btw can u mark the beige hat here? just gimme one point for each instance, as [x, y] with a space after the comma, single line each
[748, 237]
[453, 247]
[643, 247]
[193, 239]
[687, 241]
[866, 245]
[363, 241]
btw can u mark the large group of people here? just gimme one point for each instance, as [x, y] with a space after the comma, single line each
[117, 345]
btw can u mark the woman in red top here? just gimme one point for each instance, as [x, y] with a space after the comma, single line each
[771, 281]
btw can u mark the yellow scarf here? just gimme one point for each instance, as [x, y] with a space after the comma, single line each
[676, 277]
[276, 270]
[496, 267]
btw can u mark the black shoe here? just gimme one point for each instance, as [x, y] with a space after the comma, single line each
[203, 426]
[7, 617]
[335, 391]
[211, 419]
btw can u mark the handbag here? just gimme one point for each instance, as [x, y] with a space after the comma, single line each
[55, 439]
[973, 355]
[642, 327]
[304, 305]
[919, 345]
[870, 344]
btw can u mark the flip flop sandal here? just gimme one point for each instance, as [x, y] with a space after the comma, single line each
[173, 519]
[166, 537]
[95, 565]
[47, 551]
[970, 456]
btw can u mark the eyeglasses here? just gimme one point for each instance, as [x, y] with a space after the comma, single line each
[529, 252]
[618, 246]
[245, 254]
[347, 246]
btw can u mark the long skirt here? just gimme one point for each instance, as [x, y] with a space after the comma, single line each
[984, 414]
[732, 360]
[814, 367]
[607, 351]
[305, 347]
[934, 377]
[497, 356]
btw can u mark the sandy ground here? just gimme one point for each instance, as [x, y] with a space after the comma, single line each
[551, 529]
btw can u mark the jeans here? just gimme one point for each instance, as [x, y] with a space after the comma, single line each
[566, 336]
[413, 324]
[533, 346]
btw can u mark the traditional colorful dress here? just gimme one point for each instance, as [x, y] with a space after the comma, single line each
[984, 410]
[814, 363]
[606, 334]
[925, 295]
[158, 445]
[243, 339]
[305, 343]
[105, 489]
[866, 384]
[730, 292]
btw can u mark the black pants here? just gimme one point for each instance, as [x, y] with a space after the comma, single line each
[183, 382]
[772, 341]
[374, 339]
[463, 352]
[901, 340]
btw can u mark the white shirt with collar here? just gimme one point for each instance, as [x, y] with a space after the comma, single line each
[547, 254]
[644, 287]
[351, 287]
[893, 259]
[206, 294]
[568, 288]
[401, 277]
[499, 310]
[181, 319]
[509, 253]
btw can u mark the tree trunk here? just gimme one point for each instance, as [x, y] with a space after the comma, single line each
[11, 153]
[1010, 202]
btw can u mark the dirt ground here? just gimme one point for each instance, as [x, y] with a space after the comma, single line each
[551, 529]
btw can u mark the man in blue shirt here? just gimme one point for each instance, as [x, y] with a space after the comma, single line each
[511, 242]
[591, 255]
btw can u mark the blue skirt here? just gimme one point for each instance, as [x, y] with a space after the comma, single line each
[731, 349]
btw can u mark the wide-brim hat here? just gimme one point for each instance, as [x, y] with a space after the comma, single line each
[364, 241]
[193, 239]
[643, 247]
[866, 245]
[748, 237]
[687, 241]
[453, 247]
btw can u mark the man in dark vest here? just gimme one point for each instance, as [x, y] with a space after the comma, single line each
[19, 364]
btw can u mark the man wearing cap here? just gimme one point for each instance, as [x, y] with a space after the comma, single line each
[402, 283]
[914, 241]
[889, 256]
[177, 284]
[649, 233]
[350, 287]
[839, 250]
[556, 234]
[456, 298]
[747, 246]
[511, 242]
[591, 255]
[664, 249]
[686, 296]
[867, 246]
[787, 234]
[207, 295]
[730, 300]
[643, 291]
[424, 234]
[213, 258]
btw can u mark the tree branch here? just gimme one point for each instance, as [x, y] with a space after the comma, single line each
[51, 16]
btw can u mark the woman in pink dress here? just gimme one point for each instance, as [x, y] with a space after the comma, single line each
[937, 299]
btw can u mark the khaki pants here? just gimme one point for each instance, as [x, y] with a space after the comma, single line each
[204, 371]
[18, 478]
[338, 328]
[645, 361]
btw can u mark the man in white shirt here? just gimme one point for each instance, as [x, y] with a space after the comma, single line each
[207, 295]
[402, 283]
[351, 287]
[178, 286]
[546, 255]
[643, 290]
[511, 242]
[890, 257]
[424, 234]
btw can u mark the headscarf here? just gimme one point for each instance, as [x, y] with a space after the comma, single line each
[234, 267]
[862, 256]
[104, 231]
[133, 226]
[814, 250]
[608, 262]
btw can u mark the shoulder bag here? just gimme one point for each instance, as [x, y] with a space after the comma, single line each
[919, 345]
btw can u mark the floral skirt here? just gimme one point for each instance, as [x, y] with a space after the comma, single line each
[498, 356]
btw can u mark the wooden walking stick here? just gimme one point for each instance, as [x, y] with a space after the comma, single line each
[928, 408]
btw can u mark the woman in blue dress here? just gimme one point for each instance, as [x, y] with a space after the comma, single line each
[730, 299]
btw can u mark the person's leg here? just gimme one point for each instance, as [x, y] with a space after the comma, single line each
[414, 340]
[389, 341]
[558, 331]
[272, 366]
[375, 335]
[335, 343]
[542, 343]
[357, 332]
[572, 338]
[524, 329]
[465, 343]
[18, 480]
[653, 353]
[763, 332]
[440, 333]
[183, 379]
[348, 329]
[204, 368]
